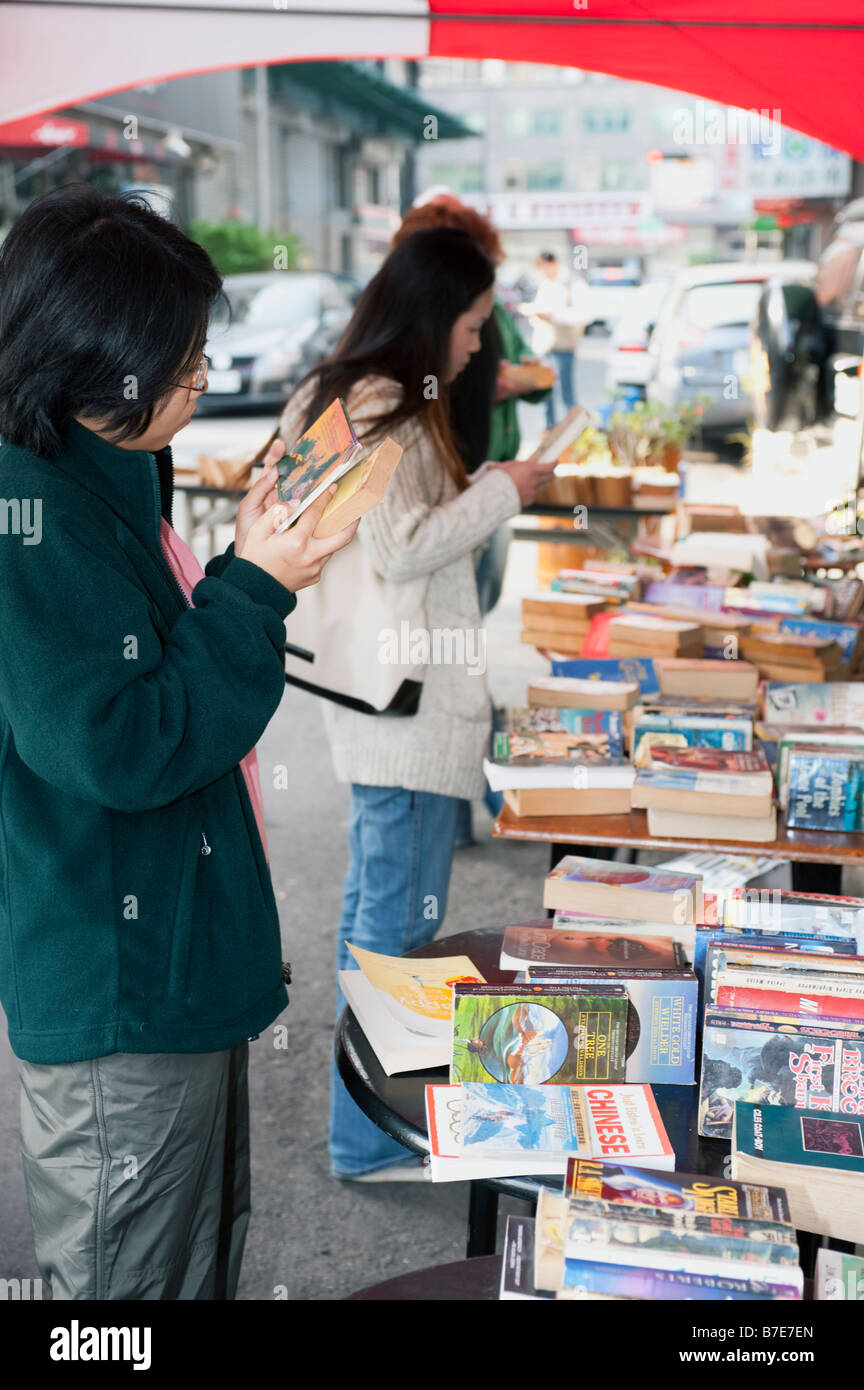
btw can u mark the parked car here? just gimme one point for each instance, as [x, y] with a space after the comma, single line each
[809, 336]
[701, 346]
[612, 288]
[628, 366]
[281, 323]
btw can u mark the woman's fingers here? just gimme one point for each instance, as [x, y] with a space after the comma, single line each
[333, 543]
[313, 513]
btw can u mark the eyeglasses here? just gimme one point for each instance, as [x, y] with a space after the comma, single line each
[199, 380]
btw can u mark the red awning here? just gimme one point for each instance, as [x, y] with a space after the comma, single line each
[787, 56]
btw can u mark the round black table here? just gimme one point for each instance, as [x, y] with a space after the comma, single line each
[466, 1281]
[397, 1103]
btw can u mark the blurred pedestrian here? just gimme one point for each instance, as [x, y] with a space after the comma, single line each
[559, 316]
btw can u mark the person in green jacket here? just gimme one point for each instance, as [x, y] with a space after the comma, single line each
[139, 936]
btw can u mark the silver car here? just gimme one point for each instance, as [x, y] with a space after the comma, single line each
[281, 323]
[701, 344]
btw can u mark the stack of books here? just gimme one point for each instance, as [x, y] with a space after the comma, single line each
[816, 1154]
[690, 721]
[559, 621]
[646, 635]
[615, 587]
[721, 632]
[791, 656]
[626, 1232]
[782, 1026]
[662, 992]
[632, 891]
[707, 792]
[563, 753]
[711, 679]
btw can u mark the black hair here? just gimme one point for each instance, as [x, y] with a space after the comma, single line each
[401, 329]
[472, 398]
[104, 307]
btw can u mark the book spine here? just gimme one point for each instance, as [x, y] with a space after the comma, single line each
[592, 1276]
[752, 1233]
[804, 1005]
[644, 1240]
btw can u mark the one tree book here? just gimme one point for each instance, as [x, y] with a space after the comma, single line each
[533, 1035]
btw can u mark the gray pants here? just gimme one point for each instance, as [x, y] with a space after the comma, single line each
[137, 1173]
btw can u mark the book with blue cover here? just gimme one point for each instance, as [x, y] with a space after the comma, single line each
[825, 789]
[813, 1138]
[661, 1021]
[588, 728]
[846, 635]
[630, 668]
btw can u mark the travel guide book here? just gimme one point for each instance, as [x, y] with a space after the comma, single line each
[513, 1132]
[579, 884]
[534, 1035]
[321, 456]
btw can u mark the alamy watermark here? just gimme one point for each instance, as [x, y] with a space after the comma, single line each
[727, 125]
[21, 516]
[437, 646]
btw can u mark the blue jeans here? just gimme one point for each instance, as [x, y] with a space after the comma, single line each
[400, 855]
[565, 365]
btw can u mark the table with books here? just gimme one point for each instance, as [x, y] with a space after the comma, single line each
[588, 1060]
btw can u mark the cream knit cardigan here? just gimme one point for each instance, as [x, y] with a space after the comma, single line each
[423, 526]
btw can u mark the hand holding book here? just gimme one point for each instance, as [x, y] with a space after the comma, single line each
[296, 557]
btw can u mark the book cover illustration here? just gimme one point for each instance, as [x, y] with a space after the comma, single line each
[800, 913]
[825, 790]
[846, 635]
[693, 1192]
[319, 457]
[623, 1122]
[815, 702]
[812, 1138]
[728, 1228]
[553, 747]
[688, 731]
[417, 991]
[679, 1245]
[574, 869]
[537, 1035]
[499, 1118]
[661, 1026]
[587, 729]
[716, 770]
[549, 946]
[744, 1061]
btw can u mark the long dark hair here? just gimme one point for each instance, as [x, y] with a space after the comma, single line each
[104, 307]
[401, 329]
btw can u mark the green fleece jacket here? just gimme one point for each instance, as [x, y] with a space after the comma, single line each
[136, 908]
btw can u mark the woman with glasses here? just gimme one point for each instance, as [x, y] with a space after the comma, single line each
[139, 936]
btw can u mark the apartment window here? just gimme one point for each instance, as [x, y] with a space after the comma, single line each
[619, 173]
[462, 178]
[606, 120]
[475, 120]
[549, 173]
[533, 120]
